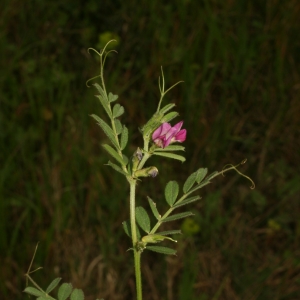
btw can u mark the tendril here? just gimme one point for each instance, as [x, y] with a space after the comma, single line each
[232, 167]
[102, 56]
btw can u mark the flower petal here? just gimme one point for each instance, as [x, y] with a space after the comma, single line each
[181, 136]
[165, 134]
[161, 130]
[178, 125]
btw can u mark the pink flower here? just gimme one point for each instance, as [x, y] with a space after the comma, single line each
[165, 134]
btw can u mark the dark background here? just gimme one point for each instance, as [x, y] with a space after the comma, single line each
[239, 61]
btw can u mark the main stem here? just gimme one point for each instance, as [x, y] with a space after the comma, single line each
[137, 254]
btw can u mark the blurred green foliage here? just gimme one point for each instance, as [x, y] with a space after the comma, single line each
[240, 63]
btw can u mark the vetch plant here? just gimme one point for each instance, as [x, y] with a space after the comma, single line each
[160, 138]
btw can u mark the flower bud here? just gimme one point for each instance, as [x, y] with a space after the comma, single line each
[156, 238]
[147, 172]
[137, 157]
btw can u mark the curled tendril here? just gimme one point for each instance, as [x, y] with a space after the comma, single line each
[102, 54]
[91, 80]
[232, 167]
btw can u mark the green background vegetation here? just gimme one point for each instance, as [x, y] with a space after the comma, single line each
[240, 63]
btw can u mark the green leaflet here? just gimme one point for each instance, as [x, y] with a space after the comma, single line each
[212, 175]
[170, 148]
[127, 229]
[118, 110]
[125, 159]
[152, 124]
[112, 98]
[200, 174]
[189, 182]
[77, 294]
[163, 250]
[124, 137]
[187, 201]
[103, 99]
[171, 192]
[199, 186]
[34, 292]
[64, 291]
[170, 155]
[115, 154]
[170, 116]
[105, 105]
[53, 285]
[167, 108]
[118, 126]
[142, 218]
[154, 209]
[170, 232]
[178, 216]
[107, 130]
[116, 168]
[101, 91]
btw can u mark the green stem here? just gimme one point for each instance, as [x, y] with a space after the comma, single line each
[143, 161]
[137, 254]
